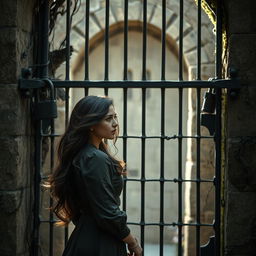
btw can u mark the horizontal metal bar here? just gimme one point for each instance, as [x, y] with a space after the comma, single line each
[150, 223]
[147, 137]
[168, 180]
[218, 83]
[173, 224]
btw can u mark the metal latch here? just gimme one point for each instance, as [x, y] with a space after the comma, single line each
[46, 106]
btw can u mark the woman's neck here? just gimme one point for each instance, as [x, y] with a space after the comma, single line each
[95, 141]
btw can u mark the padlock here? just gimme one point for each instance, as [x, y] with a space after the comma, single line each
[46, 109]
[209, 102]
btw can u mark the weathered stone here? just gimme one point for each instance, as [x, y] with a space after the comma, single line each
[241, 120]
[242, 55]
[8, 13]
[240, 224]
[14, 111]
[13, 162]
[15, 206]
[25, 21]
[242, 164]
[8, 71]
[240, 18]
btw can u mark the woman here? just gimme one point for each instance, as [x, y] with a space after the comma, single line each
[87, 183]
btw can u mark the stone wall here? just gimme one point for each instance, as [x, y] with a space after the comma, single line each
[16, 149]
[240, 214]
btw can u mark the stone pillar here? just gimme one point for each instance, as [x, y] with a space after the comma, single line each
[240, 201]
[207, 172]
[16, 151]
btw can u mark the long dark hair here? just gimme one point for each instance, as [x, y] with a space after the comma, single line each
[87, 112]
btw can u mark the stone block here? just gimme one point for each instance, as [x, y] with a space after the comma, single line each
[241, 115]
[14, 112]
[242, 164]
[241, 16]
[15, 226]
[14, 159]
[25, 12]
[240, 237]
[8, 13]
[8, 71]
[242, 55]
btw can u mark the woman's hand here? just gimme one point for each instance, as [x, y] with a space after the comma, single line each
[134, 249]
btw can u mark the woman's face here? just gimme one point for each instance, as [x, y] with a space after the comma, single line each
[107, 128]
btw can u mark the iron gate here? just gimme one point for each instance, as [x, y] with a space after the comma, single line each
[212, 119]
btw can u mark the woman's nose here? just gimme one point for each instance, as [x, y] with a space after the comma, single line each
[114, 123]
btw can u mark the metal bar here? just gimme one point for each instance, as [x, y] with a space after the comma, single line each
[43, 40]
[125, 40]
[162, 178]
[199, 9]
[143, 142]
[149, 137]
[221, 83]
[66, 230]
[218, 71]
[106, 77]
[163, 39]
[217, 172]
[38, 157]
[218, 60]
[180, 212]
[198, 176]
[51, 200]
[124, 143]
[42, 72]
[144, 42]
[174, 224]
[87, 42]
[181, 42]
[68, 40]
[125, 95]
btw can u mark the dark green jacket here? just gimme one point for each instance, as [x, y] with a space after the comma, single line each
[101, 225]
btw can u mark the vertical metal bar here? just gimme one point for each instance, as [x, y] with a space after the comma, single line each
[143, 142]
[180, 213]
[86, 50]
[180, 178]
[51, 200]
[198, 175]
[42, 72]
[125, 39]
[125, 94]
[144, 42]
[87, 45]
[66, 230]
[218, 71]
[163, 39]
[106, 76]
[143, 139]
[199, 9]
[43, 40]
[198, 131]
[162, 141]
[218, 60]
[162, 171]
[68, 41]
[181, 42]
